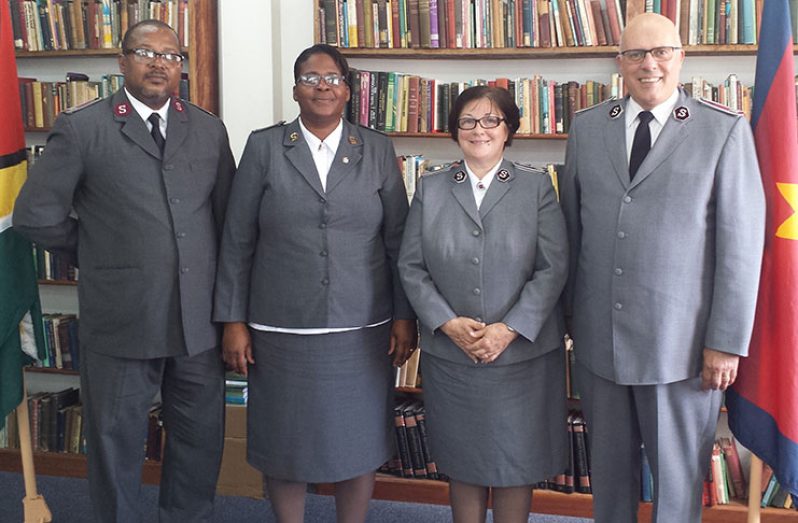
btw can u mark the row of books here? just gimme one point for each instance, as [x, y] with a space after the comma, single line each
[43, 101]
[773, 494]
[56, 425]
[54, 267]
[400, 102]
[711, 21]
[235, 389]
[408, 374]
[406, 103]
[413, 458]
[51, 25]
[61, 342]
[461, 24]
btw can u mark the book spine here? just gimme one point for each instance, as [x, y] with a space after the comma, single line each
[401, 442]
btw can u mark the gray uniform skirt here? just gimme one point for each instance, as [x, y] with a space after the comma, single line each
[319, 407]
[497, 426]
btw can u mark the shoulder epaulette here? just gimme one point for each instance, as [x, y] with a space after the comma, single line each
[529, 169]
[430, 170]
[361, 126]
[590, 108]
[195, 106]
[82, 106]
[718, 107]
[278, 124]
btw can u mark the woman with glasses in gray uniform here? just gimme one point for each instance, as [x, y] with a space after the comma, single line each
[310, 294]
[483, 262]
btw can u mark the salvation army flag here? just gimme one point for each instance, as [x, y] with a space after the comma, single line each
[19, 297]
[763, 403]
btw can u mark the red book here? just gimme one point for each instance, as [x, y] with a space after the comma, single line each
[598, 22]
[397, 35]
[412, 104]
[451, 28]
[614, 19]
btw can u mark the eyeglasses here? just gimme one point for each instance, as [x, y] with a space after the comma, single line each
[660, 54]
[488, 121]
[147, 56]
[314, 79]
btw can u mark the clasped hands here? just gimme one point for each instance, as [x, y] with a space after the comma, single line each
[480, 342]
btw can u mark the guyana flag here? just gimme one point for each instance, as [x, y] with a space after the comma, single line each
[19, 297]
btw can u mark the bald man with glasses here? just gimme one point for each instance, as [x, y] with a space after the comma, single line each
[665, 213]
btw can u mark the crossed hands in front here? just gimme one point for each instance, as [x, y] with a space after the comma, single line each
[480, 342]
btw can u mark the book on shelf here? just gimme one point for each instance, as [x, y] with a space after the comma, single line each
[51, 266]
[40, 25]
[235, 389]
[646, 478]
[61, 342]
[402, 445]
[728, 447]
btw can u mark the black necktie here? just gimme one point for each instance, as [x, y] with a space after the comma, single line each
[160, 141]
[641, 143]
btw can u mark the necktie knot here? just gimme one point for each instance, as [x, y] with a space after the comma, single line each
[160, 141]
[644, 116]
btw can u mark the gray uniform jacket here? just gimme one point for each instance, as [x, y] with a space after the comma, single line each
[296, 256]
[506, 262]
[667, 264]
[146, 231]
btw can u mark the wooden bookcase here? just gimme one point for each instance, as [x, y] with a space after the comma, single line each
[549, 502]
[448, 60]
[204, 91]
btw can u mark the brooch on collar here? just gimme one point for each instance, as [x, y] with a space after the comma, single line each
[681, 113]
[503, 175]
[459, 176]
[615, 111]
[122, 109]
[293, 137]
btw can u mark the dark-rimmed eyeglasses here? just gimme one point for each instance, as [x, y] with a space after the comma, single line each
[147, 56]
[488, 121]
[314, 79]
[660, 54]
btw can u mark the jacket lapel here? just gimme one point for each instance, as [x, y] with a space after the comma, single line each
[132, 125]
[298, 153]
[347, 157]
[498, 188]
[615, 144]
[463, 194]
[176, 128]
[673, 133]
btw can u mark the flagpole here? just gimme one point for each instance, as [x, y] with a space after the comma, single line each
[36, 510]
[754, 489]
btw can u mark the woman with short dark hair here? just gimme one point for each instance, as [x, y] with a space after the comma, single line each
[484, 259]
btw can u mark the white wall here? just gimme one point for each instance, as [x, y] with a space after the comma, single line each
[258, 42]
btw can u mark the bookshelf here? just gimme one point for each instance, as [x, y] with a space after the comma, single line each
[549, 502]
[61, 295]
[714, 62]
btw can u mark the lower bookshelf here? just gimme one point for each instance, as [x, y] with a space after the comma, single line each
[550, 502]
[70, 465]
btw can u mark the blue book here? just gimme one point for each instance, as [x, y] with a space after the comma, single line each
[646, 479]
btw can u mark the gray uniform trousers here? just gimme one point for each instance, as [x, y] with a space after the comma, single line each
[676, 423]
